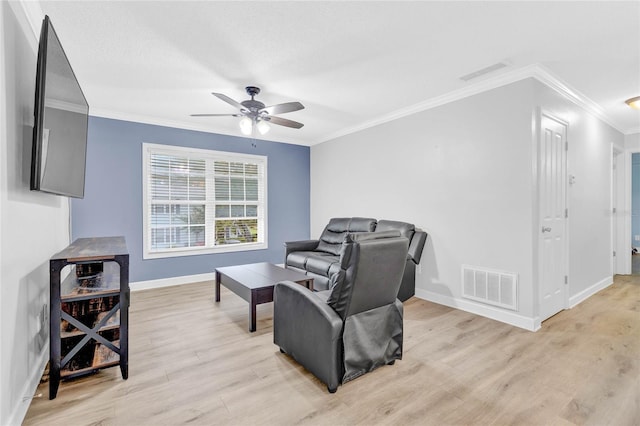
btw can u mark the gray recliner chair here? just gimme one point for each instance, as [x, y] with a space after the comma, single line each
[356, 326]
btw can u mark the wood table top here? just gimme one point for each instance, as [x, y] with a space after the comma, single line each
[259, 275]
[89, 249]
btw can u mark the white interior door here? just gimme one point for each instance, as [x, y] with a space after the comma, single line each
[552, 201]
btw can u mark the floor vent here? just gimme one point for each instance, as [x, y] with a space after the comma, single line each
[497, 288]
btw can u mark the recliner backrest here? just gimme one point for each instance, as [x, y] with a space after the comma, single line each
[381, 264]
[333, 235]
[371, 273]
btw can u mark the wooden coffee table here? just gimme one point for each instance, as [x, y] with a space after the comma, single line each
[254, 283]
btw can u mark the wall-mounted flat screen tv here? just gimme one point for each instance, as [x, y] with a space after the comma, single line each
[61, 121]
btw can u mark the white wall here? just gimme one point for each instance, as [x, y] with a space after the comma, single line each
[33, 226]
[632, 142]
[464, 173]
[461, 171]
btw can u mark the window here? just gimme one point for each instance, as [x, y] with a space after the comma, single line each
[200, 201]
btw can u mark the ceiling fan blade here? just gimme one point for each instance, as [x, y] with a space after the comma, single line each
[282, 108]
[229, 101]
[216, 115]
[284, 122]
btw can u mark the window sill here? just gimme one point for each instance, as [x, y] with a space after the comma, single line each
[232, 248]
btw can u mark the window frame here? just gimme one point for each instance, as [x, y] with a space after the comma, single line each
[210, 156]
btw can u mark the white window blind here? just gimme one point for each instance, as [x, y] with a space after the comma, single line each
[198, 201]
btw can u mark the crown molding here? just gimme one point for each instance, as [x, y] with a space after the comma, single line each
[469, 90]
[552, 81]
[535, 71]
[33, 15]
[66, 106]
[176, 124]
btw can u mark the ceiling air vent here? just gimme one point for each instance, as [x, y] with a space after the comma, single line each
[483, 71]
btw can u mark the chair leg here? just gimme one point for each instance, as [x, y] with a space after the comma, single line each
[332, 390]
[281, 351]
[391, 362]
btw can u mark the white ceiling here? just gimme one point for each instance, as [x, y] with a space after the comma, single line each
[352, 64]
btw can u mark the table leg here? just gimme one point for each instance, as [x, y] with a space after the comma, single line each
[307, 283]
[54, 382]
[252, 312]
[217, 286]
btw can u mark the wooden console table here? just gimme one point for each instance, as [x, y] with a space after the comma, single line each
[89, 310]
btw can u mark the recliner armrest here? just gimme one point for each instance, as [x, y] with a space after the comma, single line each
[304, 245]
[309, 330]
[416, 245]
[304, 306]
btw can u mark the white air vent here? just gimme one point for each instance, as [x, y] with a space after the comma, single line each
[483, 71]
[489, 286]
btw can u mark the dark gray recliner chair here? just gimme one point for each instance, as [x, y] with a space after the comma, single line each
[320, 258]
[356, 326]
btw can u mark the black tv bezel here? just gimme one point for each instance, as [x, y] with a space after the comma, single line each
[39, 105]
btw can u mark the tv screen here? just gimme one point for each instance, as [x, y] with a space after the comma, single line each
[61, 121]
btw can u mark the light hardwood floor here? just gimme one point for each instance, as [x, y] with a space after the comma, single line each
[194, 361]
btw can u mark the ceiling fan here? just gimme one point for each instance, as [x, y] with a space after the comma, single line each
[255, 113]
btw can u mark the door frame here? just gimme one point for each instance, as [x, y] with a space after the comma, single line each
[537, 252]
[618, 176]
[628, 213]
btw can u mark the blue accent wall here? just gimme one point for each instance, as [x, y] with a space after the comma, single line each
[113, 193]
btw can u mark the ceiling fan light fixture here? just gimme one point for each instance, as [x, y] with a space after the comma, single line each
[255, 114]
[246, 126]
[263, 127]
[633, 102]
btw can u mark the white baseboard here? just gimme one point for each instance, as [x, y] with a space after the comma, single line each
[531, 324]
[590, 291]
[167, 282]
[510, 318]
[30, 388]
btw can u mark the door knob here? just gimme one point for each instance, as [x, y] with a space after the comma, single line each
[546, 229]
